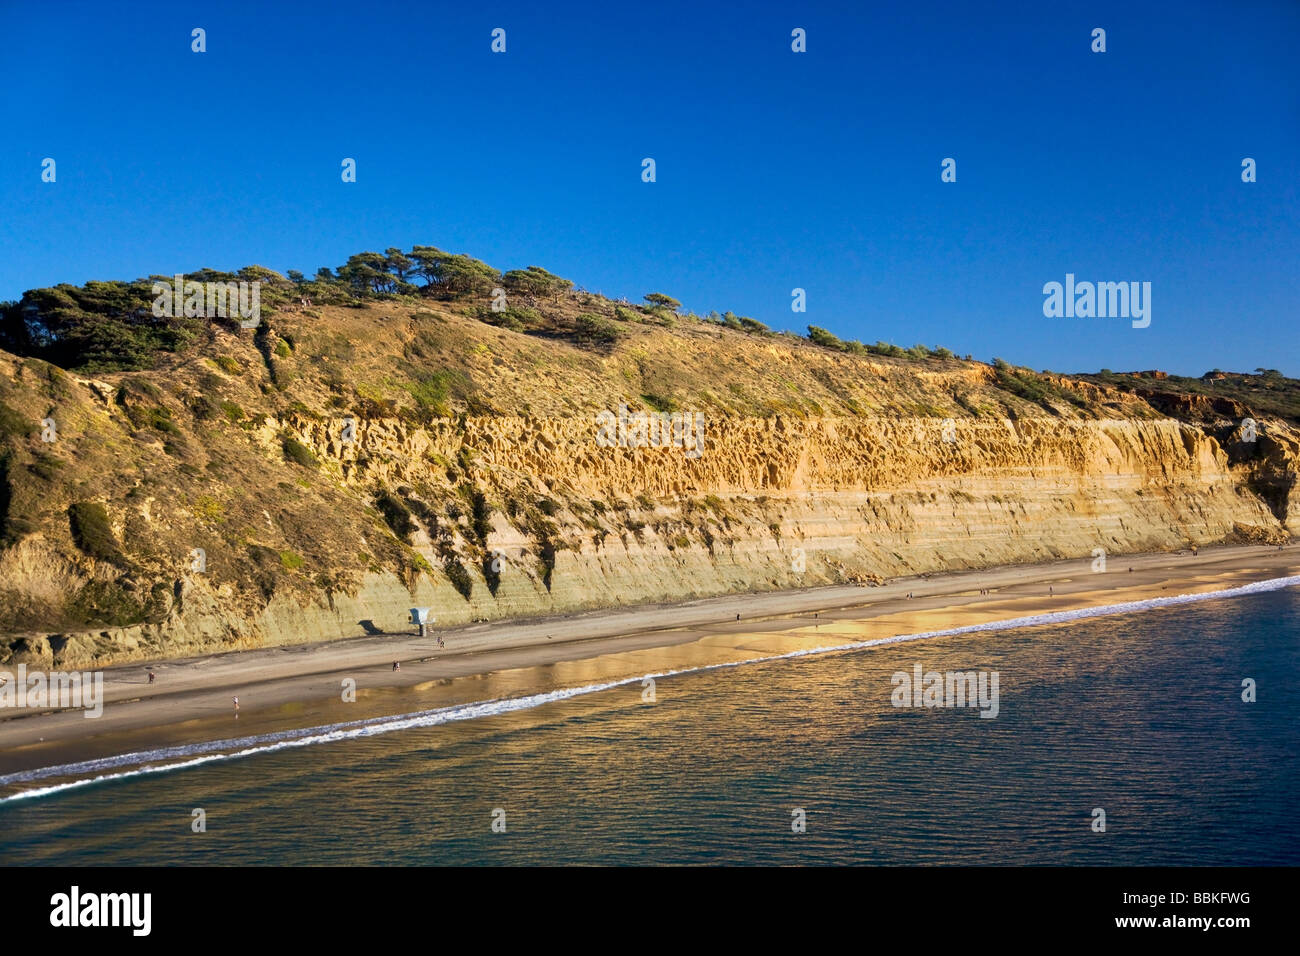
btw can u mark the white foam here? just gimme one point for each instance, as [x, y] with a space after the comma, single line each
[221, 750]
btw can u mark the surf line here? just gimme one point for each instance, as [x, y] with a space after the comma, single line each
[214, 751]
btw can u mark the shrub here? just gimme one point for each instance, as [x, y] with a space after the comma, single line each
[298, 453]
[107, 603]
[821, 337]
[396, 515]
[12, 423]
[491, 574]
[1024, 385]
[458, 576]
[548, 562]
[45, 467]
[659, 403]
[204, 407]
[593, 330]
[161, 419]
[480, 516]
[209, 509]
[502, 320]
[433, 392]
[92, 533]
[885, 348]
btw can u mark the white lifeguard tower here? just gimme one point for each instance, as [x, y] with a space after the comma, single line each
[420, 618]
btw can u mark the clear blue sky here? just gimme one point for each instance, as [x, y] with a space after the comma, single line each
[775, 169]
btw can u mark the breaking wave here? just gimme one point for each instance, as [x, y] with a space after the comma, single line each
[168, 759]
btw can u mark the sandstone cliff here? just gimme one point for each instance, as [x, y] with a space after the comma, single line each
[317, 477]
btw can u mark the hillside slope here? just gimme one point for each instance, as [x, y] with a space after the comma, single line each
[211, 493]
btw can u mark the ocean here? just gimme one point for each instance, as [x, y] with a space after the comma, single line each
[770, 747]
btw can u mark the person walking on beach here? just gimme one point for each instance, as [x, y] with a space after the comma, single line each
[396, 666]
[236, 703]
[152, 677]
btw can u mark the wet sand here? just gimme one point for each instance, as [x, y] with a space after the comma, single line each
[296, 685]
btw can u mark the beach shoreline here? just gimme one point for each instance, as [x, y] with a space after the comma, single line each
[191, 692]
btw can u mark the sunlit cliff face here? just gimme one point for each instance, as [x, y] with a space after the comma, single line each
[321, 493]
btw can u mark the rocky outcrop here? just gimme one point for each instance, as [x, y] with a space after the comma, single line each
[1184, 405]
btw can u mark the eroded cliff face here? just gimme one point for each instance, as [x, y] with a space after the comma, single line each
[328, 518]
[768, 504]
[789, 503]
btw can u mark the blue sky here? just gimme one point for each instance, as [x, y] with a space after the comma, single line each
[775, 170]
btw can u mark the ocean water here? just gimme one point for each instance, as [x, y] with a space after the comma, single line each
[1139, 714]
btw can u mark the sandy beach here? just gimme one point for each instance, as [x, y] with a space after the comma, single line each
[194, 691]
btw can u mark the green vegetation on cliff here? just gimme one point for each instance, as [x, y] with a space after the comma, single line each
[149, 465]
